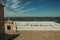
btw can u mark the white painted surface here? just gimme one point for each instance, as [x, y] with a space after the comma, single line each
[36, 25]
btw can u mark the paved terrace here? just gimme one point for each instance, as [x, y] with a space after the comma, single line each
[37, 30]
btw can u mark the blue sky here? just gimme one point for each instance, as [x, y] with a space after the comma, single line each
[31, 8]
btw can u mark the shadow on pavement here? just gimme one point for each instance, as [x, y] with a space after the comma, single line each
[8, 36]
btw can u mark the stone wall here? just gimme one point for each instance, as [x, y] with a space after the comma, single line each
[1, 18]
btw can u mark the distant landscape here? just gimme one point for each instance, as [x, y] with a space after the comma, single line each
[56, 19]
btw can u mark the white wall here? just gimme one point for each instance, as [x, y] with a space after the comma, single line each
[36, 25]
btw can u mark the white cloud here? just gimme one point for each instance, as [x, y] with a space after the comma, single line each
[7, 13]
[16, 2]
[6, 5]
[8, 0]
[27, 10]
[27, 3]
[14, 6]
[13, 3]
[32, 8]
[22, 7]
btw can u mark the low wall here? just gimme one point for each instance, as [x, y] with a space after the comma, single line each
[36, 25]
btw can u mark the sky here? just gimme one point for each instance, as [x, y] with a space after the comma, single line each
[31, 8]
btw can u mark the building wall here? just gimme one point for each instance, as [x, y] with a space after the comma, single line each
[1, 18]
[11, 24]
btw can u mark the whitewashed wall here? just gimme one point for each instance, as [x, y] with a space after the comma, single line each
[36, 25]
